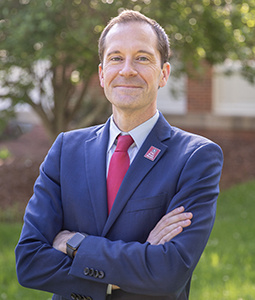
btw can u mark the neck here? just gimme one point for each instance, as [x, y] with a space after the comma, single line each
[128, 121]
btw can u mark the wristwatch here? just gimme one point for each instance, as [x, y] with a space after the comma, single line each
[74, 242]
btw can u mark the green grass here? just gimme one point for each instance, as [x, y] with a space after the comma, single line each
[225, 271]
[9, 286]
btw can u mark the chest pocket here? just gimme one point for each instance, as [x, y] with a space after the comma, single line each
[141, 215]
[149, 203]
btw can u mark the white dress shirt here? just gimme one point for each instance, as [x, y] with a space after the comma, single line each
[139, 134]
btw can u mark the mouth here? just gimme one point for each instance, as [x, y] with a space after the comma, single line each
[128, 86]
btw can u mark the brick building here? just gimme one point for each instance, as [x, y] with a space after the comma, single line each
[212, 100]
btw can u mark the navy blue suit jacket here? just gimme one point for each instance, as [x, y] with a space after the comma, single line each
[70, 193]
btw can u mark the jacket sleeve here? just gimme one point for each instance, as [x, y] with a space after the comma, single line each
[162, 269]
[38, 264]
[135, 267]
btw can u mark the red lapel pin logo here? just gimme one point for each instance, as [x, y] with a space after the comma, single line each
[152, 153]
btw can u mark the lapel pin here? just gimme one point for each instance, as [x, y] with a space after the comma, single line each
[152, 153]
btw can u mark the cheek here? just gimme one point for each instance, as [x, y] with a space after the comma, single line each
[151, 73]
[106, 75]
[109, 76]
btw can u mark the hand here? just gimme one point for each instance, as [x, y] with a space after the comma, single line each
[115, 287]
[61, 239]
[169, 226]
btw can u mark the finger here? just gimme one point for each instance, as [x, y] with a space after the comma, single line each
[171, 232]
[175, 216]
[170, 235]
[167, 233]
[166, 219]
[176, 211]
[163, 228]
[172, 213]
[168, 229]
[170, 219]
[115, 287]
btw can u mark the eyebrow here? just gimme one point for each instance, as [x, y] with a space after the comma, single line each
[140, 51]
[113, 52]
[145, 51]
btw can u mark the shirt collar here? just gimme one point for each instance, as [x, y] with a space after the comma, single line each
[139, 134]
[114, 132]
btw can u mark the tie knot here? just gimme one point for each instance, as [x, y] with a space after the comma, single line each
[124, 142]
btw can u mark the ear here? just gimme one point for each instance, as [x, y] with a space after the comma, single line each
[165, 72]
[101, 75]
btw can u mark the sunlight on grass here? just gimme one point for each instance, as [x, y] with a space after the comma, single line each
[226, 268]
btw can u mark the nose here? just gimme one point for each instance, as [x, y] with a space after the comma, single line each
[128, 69]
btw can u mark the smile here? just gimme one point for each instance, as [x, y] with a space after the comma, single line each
[128, 86]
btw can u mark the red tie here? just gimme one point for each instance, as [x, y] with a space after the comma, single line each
[118, 167]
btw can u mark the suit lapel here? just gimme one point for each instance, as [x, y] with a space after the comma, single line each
[95, 153]
[139, 168]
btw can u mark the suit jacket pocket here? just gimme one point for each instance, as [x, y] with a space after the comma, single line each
[149, 203]
[139, 217]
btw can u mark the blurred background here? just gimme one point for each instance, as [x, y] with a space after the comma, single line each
[49, 84]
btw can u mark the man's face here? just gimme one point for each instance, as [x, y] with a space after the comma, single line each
[131, 73]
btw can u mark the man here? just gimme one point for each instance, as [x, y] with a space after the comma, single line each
[146, 241]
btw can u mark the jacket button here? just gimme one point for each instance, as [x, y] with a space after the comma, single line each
[101, 275]
[91, 272]
[86, 271]
[96, 273]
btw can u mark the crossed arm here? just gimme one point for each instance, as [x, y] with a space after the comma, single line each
[167, 228]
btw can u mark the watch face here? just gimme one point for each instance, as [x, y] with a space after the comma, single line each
[75, 241]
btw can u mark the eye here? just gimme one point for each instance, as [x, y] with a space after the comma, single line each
[143, 58]
[116, 58]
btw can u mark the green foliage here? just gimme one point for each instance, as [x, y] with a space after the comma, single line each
[4, 153]
[51, 46]
[225, 270]
[214, 30]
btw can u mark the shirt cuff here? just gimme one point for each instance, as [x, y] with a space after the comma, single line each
[109, 289]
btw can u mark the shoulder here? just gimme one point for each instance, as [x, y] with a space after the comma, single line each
[180, 135]
[74, 139]
[190, 143]
[180, 140]
[83, 134]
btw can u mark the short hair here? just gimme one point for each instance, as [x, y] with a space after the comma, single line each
[134, 16]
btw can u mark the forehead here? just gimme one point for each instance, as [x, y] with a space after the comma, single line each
[131, 35]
